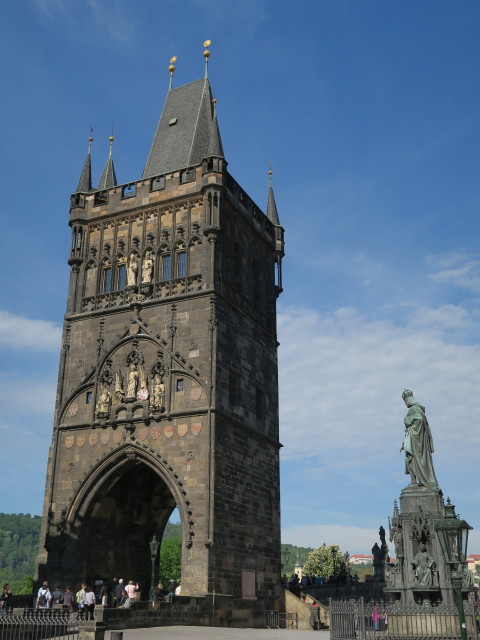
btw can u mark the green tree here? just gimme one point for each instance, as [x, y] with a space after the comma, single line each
[170, 560]
[320, 561]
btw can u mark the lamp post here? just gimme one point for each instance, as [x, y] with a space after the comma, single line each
[154, 544]
[453, 536]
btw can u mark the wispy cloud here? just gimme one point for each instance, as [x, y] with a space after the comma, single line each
[342, 375]
[112, 19]
[17, 332]
[459, 268]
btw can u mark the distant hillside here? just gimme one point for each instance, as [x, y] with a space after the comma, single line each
[19, 536]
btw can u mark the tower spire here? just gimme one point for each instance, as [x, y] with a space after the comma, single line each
[85, 182]
[272, 213]
[108, 178]
[215, 147]
[206, 55]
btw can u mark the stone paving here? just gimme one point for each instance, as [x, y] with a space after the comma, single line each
[218, 633]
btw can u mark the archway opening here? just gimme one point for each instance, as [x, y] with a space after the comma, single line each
[131, 505]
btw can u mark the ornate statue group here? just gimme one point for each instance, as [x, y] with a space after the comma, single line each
[133, 385]
[132, 268]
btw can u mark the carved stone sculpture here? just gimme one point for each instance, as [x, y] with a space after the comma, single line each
[103, 402]
[424, 565]
[418, 444]
[132, 269]
[118, 395]
[147, 268]
[158, 391]
[132, 382]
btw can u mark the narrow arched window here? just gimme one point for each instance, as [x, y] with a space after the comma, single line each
[181, 264]
[121, 278]
[107, 280]
[166, 267]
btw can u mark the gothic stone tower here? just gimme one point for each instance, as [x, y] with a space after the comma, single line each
[167, 391]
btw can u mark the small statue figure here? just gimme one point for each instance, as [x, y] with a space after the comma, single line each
[418, 444]
[132, 381]
[132, 269]
[118, 395]
[158, 391]
[147, 268]
[468, 579]
[424, 566]
[103, 402]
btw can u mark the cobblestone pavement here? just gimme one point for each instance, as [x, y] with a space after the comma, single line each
[218, 633]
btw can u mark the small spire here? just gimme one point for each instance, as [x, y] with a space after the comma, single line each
[215, 147]
[85, 182]
[108, 178]
[172, 68]
[206, 55]
[272, 213]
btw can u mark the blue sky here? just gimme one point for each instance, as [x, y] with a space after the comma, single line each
[370, 114]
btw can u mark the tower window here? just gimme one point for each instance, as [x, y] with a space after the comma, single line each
[188, 175]
[181, 264]
[179, 384]
[121, 276]
[157, 184]
[101, 197]
[129, 191]
[107, 280]
[88, 397]
[166, 263]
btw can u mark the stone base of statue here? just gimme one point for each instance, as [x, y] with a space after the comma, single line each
[419, 574]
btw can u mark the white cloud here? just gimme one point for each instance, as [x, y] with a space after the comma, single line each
[459, 268]
[17, 332]
[111, 19]
[342, 376]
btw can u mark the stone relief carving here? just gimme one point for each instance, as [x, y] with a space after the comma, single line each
[424, 567]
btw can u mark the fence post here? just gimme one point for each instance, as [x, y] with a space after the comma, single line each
[91, 630]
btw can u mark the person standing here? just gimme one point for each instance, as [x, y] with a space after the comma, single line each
[57, 596]
[68, 598]
[80, 600]
[131, 593]
[5, 600]
[119, 593]
[89, 603]
[44, 597]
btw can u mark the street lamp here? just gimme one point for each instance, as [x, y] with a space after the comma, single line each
[154, 544]
[453, 536]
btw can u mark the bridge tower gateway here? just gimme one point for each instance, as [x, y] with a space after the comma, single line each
[167, 390]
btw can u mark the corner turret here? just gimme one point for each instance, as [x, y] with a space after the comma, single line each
[108, 178]
[85, 182]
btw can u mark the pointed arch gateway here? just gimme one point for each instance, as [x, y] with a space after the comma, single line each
[128, 497]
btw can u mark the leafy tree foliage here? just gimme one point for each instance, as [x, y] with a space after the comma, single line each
[289, 557]
[170, 560]
[320, 561]
[19, 537]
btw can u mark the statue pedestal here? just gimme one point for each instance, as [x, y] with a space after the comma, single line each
[420, 574]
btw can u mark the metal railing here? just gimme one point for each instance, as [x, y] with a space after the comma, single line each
[36, 624]
[277, 620]
[360, 620]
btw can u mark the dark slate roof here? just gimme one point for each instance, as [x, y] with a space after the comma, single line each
[272, 213]
[85, 182]
[186, 142]
[108, 178]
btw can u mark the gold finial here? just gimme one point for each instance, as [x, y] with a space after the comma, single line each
[270, 173]
[91, 136]
[206, 55]
[172, 68]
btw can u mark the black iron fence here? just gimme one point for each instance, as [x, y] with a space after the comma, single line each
[360, 620]
[36, 624]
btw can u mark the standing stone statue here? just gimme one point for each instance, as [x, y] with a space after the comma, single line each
[132, 269]
[418, 444]
[147, 268]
